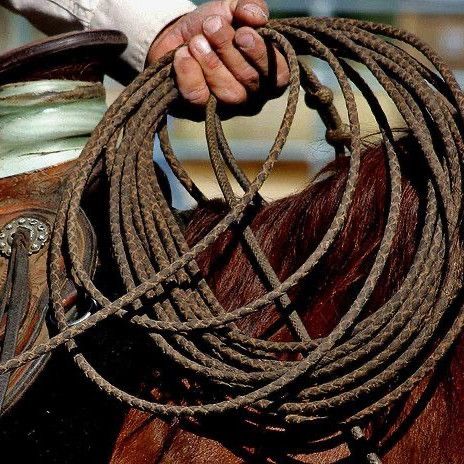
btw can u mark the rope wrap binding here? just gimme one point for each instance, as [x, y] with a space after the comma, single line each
[366, 363]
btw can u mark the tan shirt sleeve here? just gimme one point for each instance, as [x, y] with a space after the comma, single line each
[140, 20]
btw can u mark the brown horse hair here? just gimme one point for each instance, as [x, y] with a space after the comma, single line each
[288, 230]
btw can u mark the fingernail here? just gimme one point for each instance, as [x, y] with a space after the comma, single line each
[202, 45]
[245, 40]
[212, 24]
[255, 10]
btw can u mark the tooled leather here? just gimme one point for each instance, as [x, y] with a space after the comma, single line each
[37, 194]
[35, 189]
[77, 55]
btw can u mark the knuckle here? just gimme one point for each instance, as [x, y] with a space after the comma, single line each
[212, 61]
[260, 55]
[224, 8]
[198, 95]
[222, 39]
[222, 43]
[250, 77]
[187, 27]
[265, 7]
[283, 78]
[224, 49]
[234, 96]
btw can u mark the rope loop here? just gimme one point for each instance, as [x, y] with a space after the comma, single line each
[369, 361]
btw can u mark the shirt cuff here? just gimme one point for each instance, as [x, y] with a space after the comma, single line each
[140, 20]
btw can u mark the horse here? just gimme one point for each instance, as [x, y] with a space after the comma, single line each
[425, 428]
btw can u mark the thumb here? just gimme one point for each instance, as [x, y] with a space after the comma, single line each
[253, 13]
[189, 25]
[168, 40]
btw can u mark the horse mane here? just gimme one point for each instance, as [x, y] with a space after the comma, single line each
[288, 230]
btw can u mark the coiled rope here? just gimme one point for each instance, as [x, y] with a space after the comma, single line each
[368, 361]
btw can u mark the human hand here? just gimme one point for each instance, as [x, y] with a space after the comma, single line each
[223, 55]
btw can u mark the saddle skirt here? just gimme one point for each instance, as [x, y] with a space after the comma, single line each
[28, 206]
[29, 202]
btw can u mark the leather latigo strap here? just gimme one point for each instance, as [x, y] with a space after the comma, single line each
[29, 202]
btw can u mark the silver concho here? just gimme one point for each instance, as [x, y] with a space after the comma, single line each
[38, 230]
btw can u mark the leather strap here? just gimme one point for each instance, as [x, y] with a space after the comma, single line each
[15, 300]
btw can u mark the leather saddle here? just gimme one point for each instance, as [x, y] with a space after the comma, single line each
[28, 205]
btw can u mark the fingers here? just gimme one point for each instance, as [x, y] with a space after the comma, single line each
[253, 13]
[190, 79]
[168, 40]
[226, 62]
[269, 62]
[219, 79]
[220, 35]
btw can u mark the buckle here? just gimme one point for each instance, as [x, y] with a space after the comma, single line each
[39, 234]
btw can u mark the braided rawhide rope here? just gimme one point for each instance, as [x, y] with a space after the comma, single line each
[367, 362]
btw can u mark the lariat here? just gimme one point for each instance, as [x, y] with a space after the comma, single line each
[369, 361]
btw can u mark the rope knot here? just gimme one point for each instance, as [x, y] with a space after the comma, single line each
[340, 135]
[321, 97]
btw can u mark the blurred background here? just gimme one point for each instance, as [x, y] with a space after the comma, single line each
[438, 22]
